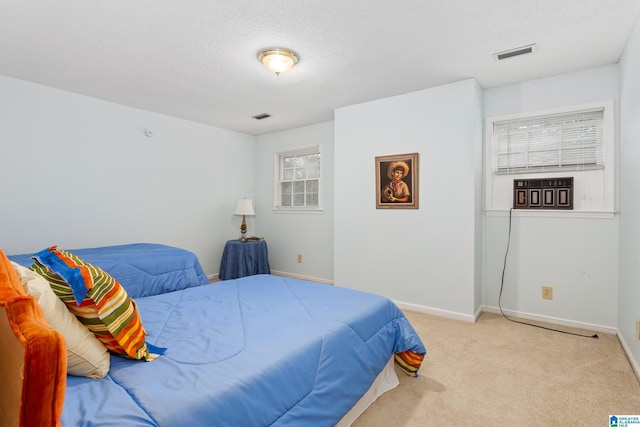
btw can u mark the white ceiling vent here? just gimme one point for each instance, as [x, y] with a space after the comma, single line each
[523, 50]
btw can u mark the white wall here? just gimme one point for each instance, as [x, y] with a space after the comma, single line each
[76, 171]
[293, 233]
[629, 259]
[425, 257]
[577, 256]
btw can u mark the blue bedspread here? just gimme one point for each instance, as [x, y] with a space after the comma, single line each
[258, 351]
[143, 269]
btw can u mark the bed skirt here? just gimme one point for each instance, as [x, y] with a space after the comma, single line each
[385, 381]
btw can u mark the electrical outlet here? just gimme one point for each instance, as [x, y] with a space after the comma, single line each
[547, 292]
[299, 259]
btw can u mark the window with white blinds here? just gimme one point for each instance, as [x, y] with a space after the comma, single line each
[298, 179]
[558, 142]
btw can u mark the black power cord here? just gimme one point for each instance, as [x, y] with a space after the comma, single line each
[504, 267]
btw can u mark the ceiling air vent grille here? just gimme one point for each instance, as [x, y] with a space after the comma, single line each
[261, 116]
[523, 50]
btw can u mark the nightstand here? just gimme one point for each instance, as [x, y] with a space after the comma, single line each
[244, 259]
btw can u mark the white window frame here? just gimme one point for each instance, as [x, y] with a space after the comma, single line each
[278, 175]
[594, 188]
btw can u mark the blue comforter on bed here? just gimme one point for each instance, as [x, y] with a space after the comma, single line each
[257, 351]
[143, 269]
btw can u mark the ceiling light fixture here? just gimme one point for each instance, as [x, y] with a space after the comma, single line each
[278, 60]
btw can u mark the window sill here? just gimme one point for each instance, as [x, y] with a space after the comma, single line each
[293, 210]
[550, 213]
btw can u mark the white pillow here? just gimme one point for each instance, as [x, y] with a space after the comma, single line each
[86, 356]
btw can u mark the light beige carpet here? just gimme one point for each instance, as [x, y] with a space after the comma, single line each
[496, 372]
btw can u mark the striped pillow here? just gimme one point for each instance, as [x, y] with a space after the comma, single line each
[409, 361]
[97, 300]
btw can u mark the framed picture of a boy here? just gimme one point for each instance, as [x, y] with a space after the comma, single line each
[397, 181]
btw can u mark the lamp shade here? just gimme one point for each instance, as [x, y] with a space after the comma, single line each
[244, 207]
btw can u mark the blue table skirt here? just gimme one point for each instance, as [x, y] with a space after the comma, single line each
[244, 259]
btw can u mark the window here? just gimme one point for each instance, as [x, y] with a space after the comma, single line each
[298, 180]
[575, 142]
[568, 141]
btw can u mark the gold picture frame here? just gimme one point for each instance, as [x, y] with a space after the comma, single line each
[397, 181]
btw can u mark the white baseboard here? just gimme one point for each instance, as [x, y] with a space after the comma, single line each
[627, 351]
[212, 277]
[301, 277]
[554, 320]
[435, 311]
[478, 312]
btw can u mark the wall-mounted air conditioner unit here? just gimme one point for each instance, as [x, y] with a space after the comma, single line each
[543, 193]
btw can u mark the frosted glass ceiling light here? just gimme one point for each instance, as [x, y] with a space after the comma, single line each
[278, 60]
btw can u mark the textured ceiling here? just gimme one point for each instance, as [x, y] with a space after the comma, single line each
[196, 59]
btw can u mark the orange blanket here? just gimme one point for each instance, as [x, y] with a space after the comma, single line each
[33, 364]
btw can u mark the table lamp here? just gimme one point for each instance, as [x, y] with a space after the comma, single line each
[244, 208]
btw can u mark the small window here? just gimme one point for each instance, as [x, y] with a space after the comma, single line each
[575, 142]
[559, 142]
[298, 180]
